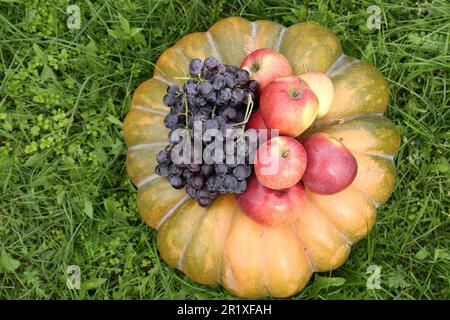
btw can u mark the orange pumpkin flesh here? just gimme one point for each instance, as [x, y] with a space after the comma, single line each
[222, 245]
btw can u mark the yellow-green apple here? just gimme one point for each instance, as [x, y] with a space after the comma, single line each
[289, 105]
[323, 88]
[265, 65]
[280, 163]
[272, 207]
[331, 166]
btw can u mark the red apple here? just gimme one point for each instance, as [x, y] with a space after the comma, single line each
[265, 65]
[280, 163]
[256, 122]
[288, 104]
[272, 207]
[323, 88]
[331, 166]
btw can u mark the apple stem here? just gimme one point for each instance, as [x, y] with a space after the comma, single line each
[285, 153]
[296, 92]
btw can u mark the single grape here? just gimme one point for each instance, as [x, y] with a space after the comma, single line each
[237, 97]
[163, 157]
[218, 82]
[230, 81]
[204, 88]
[197, 181]
[162, 170]
[242, 172]
[204, 202]
[228, 113]
[230, 182]
[169, 100]
[170, 120]
[242, 77]
[207, 169]
[221, 169]
[177, 182]
[211, 63]
[195, 67]
[191, 191]
[175, 170]
[173, 89]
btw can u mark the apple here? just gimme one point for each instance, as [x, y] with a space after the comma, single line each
[323, 88]
[271, 207]
[257, 123]
[265, 65]
[289, 105]
[280, 163]
[331, 166]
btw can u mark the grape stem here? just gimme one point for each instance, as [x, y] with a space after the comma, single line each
[248, 111]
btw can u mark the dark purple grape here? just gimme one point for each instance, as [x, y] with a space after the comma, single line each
[242, 172]
[173, 89]
[218, 82]
[199, 101]
[162, 170]
[198, 181]
[211, 63]
[221, 169]
[224, 96]
[170, 120]
[169, 100]
[210, 184]
[221, 69]
[242, 77]
[207, 170]
[202, 193]
[211, 97]
[187, 173]
[204, 88]
[195, 67]
[191, 88]
[230, 81]
[228, 113]
[242, 186]
[191, 191]
[163, 157]
[239, 117]
[253, 86]
[237, 97]
[230, 182]
[231, 69]
[210, 124]
[177, 182]
[175, 170]
[220, 120]
[205, 202]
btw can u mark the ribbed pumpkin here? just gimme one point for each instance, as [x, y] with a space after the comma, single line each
[220, 244]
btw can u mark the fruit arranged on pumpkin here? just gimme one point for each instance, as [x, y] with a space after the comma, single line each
[220, 243]
[331, 166]
[280, 163]
[266, 65]
[289, 105]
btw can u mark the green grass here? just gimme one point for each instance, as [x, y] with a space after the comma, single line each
[64, 195]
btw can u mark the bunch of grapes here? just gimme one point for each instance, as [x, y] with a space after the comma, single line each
[220, 97]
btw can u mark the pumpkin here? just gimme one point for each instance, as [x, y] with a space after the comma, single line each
[220, 244]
